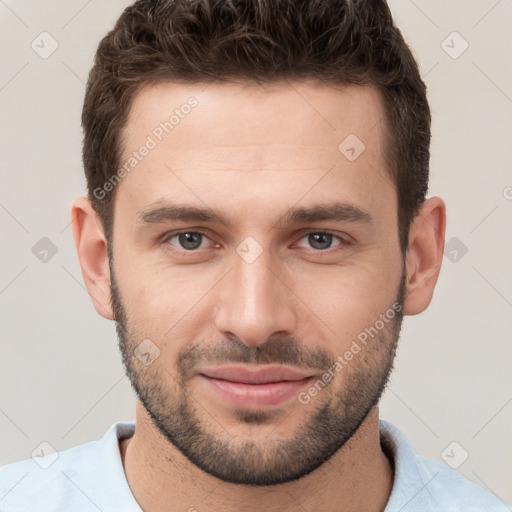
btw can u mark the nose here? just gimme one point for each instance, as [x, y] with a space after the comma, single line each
[253, 303]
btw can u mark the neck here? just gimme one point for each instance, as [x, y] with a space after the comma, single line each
[358, 477]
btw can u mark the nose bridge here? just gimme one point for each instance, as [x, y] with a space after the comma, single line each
[254, 304]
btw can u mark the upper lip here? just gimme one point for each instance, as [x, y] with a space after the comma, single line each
[261, 375]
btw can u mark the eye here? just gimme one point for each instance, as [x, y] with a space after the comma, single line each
[322, 240]
[188, 240]
[192, 241]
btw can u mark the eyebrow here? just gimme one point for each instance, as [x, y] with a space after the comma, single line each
[161, 212]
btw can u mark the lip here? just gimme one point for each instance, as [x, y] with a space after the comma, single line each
[260, 375]
[257, 388]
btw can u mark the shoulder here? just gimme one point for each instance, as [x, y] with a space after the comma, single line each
[42, 482]
[71, 479]
[427, 485]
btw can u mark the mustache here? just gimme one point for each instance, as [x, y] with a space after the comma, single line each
[274, 351]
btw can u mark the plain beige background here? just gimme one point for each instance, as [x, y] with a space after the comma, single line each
[61, 377]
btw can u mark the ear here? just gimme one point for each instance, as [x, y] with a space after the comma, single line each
[424, 255]
[91, 246]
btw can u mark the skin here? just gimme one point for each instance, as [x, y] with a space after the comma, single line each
[252, 152]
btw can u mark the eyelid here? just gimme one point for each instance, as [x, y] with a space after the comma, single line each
[338, 234]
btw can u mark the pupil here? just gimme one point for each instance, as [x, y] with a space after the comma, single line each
[324, 238]
[187, 240]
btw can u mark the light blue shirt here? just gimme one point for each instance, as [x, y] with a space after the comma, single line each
[90, 477]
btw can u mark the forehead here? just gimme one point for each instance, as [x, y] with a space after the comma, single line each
[302, 111]
[227, 139]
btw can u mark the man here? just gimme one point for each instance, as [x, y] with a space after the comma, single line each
[257, 226]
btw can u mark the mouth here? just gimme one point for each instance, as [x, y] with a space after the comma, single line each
[255, 388]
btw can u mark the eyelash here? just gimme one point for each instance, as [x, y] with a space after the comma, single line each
[342, 241]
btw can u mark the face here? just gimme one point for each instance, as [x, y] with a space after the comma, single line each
[293, 268]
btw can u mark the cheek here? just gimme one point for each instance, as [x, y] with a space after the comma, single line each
[165, 301]
[346, 300]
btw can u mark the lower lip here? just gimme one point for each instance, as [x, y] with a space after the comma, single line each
[255, 396]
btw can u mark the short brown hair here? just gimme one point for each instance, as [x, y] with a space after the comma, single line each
[187, 41]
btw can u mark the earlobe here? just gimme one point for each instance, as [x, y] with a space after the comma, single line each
[91, 247]
[424, 255]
